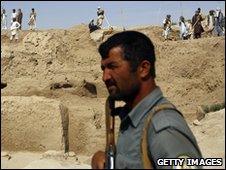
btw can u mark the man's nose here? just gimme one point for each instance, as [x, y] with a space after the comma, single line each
[106, 75]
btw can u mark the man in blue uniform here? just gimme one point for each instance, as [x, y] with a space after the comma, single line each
[128, 64]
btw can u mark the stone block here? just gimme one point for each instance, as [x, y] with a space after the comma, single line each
[33, 123]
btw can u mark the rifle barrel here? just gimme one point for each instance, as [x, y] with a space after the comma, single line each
[110, 140]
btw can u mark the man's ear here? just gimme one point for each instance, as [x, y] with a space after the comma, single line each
[144, 69]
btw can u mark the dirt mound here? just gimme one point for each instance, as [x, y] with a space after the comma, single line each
[210, 131]
[65, 65]
[210, 136]
[190, 72]
[53, 56]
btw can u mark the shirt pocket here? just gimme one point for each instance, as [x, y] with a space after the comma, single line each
[125, 162]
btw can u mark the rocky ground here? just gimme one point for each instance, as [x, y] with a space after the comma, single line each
[64, 65]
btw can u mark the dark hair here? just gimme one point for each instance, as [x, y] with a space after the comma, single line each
[136, 47]
[211, 12]
[182, 18]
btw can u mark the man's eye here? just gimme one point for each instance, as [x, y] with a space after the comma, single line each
[112, 66]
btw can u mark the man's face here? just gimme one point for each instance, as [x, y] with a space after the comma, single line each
[122, 84]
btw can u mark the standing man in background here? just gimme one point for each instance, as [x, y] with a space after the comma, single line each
[14, 30]
[32, 20]
[19, 17]
[210, 22]
[219, 26]
[183, 29]
[3, 20]
[100, 17]
[13, 15]
[167, 26]
[197, 25]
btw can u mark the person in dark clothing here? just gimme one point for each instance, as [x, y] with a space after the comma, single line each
[19, 18]
[92, 26]
[197, 25]
[218, 22]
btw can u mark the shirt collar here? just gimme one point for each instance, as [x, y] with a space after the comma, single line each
[137, 113]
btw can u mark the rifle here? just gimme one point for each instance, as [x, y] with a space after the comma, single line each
[110, 148]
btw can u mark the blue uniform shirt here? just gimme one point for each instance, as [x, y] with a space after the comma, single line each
[168, 135]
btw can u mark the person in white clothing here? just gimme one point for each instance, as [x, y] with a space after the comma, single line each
[167, 27]
[183, 29]
[210, 22]
[189, 29]
[13, 15]
[14, 30]
[3, 20]
[32, 19]
[100, 17]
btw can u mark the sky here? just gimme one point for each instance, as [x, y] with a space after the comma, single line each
[66, 14]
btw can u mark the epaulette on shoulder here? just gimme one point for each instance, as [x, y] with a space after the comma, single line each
[165, 119]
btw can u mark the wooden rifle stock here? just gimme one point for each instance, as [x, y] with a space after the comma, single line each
[110, 136]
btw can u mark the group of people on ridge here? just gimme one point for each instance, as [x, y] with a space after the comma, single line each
[215, 25]
[16, 22]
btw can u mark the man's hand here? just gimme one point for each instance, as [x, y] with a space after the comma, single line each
[98, 160]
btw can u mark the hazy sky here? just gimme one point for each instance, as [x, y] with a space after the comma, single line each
[65, 14]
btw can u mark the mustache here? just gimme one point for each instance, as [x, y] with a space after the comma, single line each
[110, 82]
